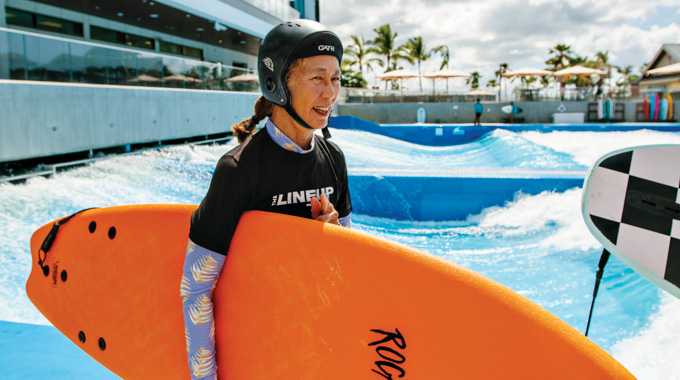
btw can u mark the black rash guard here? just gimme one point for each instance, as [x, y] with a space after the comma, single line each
[261, 175]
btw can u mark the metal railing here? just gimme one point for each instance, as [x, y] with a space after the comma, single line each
[365, 95]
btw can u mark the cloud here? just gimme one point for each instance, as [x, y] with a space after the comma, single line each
[483, 33]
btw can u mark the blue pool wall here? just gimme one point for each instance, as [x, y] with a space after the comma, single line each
[446, 198]
[430, 198]
[535, 112]
[451, 134]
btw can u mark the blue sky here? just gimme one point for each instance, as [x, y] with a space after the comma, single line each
[483, 33]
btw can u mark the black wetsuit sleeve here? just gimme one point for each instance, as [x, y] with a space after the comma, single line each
[214, 222]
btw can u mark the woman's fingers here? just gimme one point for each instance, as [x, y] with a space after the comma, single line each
[316, 208]
[324, 211]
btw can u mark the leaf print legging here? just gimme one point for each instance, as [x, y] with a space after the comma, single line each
[202, 268]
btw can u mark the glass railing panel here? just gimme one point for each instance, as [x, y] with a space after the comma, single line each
[29, 56]
[121, 66]
[89, 64]
[47, 60]
[17, 57]
[174, 73]
[149, 71]
[5, 54]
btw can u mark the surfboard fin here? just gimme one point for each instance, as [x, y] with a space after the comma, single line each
[598, 277]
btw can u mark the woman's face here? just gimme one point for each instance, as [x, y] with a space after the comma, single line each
[314, 87]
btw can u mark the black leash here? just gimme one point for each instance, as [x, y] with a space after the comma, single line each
[49, 240]
[598, 278]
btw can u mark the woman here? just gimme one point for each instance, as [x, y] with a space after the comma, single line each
[283, 168]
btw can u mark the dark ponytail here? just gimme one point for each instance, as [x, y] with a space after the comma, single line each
[245, 128]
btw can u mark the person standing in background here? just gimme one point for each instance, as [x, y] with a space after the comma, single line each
[479, 109]
[512, 113]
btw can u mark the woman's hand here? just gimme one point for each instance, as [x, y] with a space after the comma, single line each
[324, 211]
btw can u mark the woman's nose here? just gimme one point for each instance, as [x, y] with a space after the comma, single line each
[329, 90]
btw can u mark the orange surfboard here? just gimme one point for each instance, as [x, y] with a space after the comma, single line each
[297, 299]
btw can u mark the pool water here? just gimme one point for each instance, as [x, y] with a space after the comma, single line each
[537, 245]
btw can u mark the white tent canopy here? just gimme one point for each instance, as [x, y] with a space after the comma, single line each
[249, 77]
[446, 73]
[479, 93]
[527, 72]
[397, 74]
[669, 69]
[579, 70]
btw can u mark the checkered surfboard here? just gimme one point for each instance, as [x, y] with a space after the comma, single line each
[631, 204]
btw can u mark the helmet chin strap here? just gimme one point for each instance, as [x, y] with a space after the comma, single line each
[298, 119]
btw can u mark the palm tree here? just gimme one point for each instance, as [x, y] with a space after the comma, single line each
[416, 49]
[502, 69]
[561, 58]
[473, 80]
[358, 54]
[527, 80]
[545, 80]
[384, 44]
[492, 84]
[628, 76]
[578, 60]
[602, 58]
[444, 52]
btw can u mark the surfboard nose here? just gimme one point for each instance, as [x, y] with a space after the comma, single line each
[38, 272]
[98, 273]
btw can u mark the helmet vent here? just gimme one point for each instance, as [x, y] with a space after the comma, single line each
[271, 85]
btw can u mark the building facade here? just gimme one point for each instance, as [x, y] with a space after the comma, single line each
[83, 75]
[196, 44]
[665, 84]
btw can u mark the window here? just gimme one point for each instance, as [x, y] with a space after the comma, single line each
[169, 47]
[101, 34]
[57, 25]
[108, 35]
[192, 52]
[20, 18]
[37, 21]
[139, 41]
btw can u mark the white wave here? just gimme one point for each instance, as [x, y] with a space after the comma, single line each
[653, 353]
[198, 154]
[588, 147]
[181, 175]
[497, 149]
[530, 214]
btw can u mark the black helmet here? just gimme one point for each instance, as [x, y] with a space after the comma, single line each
[284, 44]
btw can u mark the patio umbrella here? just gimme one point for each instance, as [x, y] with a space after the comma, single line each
[249, 77]
[397, 74]
[181, 78]
[670, 69]
[479, 93]
[143, 78]
[578, 70]
[527, 72]
[446, 73]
